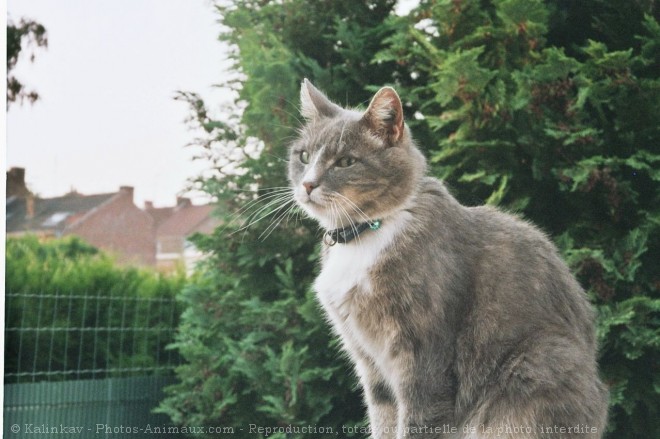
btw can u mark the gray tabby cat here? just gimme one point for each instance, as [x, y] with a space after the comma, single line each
[462, 322]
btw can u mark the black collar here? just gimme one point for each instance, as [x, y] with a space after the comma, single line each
[347, 234]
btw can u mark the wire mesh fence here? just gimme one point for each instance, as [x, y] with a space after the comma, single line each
[93, 361]
[55, 337]
[105, 408]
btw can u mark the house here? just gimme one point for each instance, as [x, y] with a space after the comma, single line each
[174, 227]
[111, 221]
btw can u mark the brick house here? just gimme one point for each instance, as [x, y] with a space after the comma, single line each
[174, 227]
[111, 221]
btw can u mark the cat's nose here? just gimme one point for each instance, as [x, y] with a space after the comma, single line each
[310, 186]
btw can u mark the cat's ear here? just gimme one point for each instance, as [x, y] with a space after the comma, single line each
[385, 115]
[314, 104]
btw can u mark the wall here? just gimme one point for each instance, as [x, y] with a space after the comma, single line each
[120, 226]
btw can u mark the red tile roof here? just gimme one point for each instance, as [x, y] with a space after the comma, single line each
[188, 220]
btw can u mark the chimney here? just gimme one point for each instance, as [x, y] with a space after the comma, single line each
[148, 205]
[127, 190]
[16, 183]
[17, 174]
[183, 202]
[29, 206]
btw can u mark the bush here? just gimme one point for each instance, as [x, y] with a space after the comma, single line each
[71, 312]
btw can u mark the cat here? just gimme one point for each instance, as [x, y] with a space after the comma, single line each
[461, 322]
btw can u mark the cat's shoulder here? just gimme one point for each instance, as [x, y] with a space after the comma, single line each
[433, 205]
[432, 187]
[504, 226]
[486, 222]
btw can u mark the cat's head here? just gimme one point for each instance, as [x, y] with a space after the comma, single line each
[351, 166]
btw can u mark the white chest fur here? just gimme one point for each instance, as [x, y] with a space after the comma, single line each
[348, 265]
[345, 267]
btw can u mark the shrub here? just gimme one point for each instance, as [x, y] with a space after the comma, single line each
[71, 312]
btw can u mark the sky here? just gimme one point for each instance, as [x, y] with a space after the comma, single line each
[107, 115]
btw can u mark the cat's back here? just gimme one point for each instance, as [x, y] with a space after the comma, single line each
[517, 314]
[494, 242]
[496, 264]
[518, 266]
[481, 230]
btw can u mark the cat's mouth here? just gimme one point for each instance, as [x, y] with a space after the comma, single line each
[313, 201]
[317, 208]
[332, 210]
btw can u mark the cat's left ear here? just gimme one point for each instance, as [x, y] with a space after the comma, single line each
[314, 104]
[385, 115]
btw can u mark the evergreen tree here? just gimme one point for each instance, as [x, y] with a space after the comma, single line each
[545, 108]
[257, 347]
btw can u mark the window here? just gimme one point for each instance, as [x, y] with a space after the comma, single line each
[55, 219]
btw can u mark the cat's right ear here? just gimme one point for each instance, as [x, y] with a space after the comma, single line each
[385, 115]
[313, 104]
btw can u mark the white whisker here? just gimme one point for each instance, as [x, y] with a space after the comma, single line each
[273, 202]
[278, 202]
[354, 207]
[351, 223]
[278, 219]
[256, 201]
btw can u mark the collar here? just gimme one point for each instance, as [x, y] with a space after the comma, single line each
[347, 234]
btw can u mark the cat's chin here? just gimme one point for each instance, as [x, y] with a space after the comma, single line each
[317, 213]
[321, 215]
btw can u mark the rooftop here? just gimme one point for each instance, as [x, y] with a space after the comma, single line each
[50, 214]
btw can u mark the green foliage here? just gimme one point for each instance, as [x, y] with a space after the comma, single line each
[69, 285]
[71, 266]
[257, 354]
[257, 348]
[546, 108]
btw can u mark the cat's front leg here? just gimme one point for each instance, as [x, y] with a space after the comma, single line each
[426, 402]
[426, 422]
[381, 402]
[382, 411]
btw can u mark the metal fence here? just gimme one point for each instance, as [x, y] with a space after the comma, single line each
[86, 365]
[52, 337]
[105, 408]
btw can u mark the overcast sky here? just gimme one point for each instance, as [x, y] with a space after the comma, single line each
[107, 117]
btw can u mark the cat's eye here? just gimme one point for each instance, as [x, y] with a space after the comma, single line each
[304, 157]
[345, 162]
